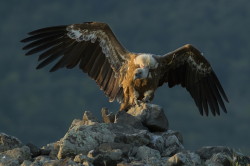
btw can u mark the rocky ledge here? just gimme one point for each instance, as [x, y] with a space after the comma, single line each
[135, 138]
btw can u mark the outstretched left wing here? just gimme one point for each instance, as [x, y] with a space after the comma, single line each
[187, 67]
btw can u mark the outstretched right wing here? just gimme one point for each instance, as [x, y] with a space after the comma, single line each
[91, 45]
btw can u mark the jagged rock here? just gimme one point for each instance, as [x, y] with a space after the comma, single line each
[176, 133]
[184, 158]
[146, 153]
[225, 159]
[123, 118]
[83, 138]
[107, 147]
[103, 157]
[6, 160]
[64, 162]
[149, 162]
[43, 160]
[26, 163]
[107, 117]
[157, 142]
[126, 142]
[240, 159]
[213, 163]
[152, 116]
[9, 142]
[80, 158]
[219, 159]
[208, 151]
[133, 163]
[19, 154]
[87, 163]
[167, 143]
[172, 146]
[132, 136]
[50, 150]
[34, 150]
[47, 161]
[89, 119]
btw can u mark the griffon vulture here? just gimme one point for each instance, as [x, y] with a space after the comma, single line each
[130, 78]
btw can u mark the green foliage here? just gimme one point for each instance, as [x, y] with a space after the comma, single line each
[38, 106]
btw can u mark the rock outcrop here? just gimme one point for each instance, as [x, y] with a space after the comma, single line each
[135, 138]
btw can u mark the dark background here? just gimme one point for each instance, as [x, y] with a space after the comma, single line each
[38, 107]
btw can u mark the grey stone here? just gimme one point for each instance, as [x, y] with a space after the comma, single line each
[76, 122]
[107, 117]
[9, 142]
[50, 150]
[152, 116]
[63, 162]
[6, 160]
[80, 158]
[123, 118]
[224, 159]
[19, 154]
[133, 137]
[133, 163]
[208, 151]
[47, 161]
[240, 159]
[213, 163]
[125, 148]
[102, 158]
[172, 143]
[106, 153]
[42, 160]
[146, 153]
[83, 138]
[34, 150]
[26, 163]
[87, 163]
[170, 133]
[184, 158]
[157, 142]
[89, 119]
[149, 162]
[219, 159]
[124, 143]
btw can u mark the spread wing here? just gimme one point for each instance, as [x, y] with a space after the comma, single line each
[187, 67]
[91, 45]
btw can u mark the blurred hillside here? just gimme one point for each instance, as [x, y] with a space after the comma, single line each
[37, 106]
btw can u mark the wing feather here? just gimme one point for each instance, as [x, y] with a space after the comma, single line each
[204, 97]
[187, 67]
[44, 46]
[58, 48]
[43, 35]
[70, 54]
[95, 51]
[53, 30]
[91, 45]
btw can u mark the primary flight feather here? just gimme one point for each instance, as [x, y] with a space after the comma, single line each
[130, 78]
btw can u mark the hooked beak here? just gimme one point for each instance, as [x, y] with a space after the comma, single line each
[141, 73]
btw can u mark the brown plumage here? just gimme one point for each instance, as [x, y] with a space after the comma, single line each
[128, 77]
